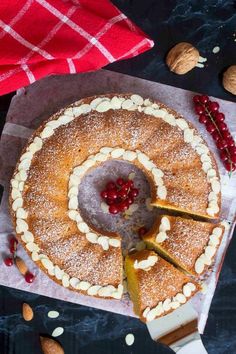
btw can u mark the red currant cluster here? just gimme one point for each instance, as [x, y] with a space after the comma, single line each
[119, 195]
[214, 121]
[10, 260]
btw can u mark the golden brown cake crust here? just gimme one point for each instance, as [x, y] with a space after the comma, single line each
[45, 192]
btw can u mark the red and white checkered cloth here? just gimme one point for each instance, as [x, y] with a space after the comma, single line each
[42, 37]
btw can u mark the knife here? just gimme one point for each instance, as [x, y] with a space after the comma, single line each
[179, 331]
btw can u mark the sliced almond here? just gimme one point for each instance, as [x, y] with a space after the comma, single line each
[53, 314]
[199, 266]
[161, 237]
[129, 339]
[21, 265]
[105, 207]
[50, 346]
[131, 175]
[187, 290]
[27, 312]
[57, 332]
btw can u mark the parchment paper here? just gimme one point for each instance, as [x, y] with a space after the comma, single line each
[37, 102]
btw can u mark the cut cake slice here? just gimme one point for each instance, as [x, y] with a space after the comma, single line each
[189, 244]
[156, 287]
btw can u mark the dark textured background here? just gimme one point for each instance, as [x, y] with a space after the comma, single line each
[204, 23]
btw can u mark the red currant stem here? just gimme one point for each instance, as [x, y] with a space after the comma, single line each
[219, 132]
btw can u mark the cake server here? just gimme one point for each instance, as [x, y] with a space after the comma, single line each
[179, 331]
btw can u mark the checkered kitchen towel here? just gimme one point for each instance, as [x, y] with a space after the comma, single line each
[42, 37]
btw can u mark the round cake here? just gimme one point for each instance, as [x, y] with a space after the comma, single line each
[181, 170]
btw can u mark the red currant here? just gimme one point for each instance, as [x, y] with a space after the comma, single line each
[219, 117]
[104, 194]
[110, 185]
[29, 277]
[126, 203]
[130, 183]
[232, 150]
[123, 205]
[8, 261]
[130, 200]
[120, 181]
[229, 166]
[215, 136]
[233, 159]
[124, 190]
[113, 209]
[142, 231]
[223, 155]
[126, 186]
[196, 99]
[226, 134]
[221, 144]
[199, 109]
[209, 115]
[210, 127]
[13, 241]
[203, 118]
[204, 99]
[222, 126]
[213, 106]
[112, 194]
[116, 194]
[122, 193]
[133, 193]
[13, 244]
[110, 201]
[12, 249]
[230, 142]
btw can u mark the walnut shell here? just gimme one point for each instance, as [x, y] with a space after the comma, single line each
[229, 79]
[182, 58]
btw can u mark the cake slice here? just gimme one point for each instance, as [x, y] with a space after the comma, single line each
[155, 286]
[189, 244]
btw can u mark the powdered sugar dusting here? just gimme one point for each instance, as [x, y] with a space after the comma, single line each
[162, 279]
[187, 239]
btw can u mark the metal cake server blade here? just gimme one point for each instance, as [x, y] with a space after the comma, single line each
[179, 331]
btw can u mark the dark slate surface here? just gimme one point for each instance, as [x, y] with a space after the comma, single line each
[205, 24]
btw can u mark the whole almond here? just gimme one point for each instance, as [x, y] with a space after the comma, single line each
[182, 58]
[50, 346]
[21, 265]
[27, 312]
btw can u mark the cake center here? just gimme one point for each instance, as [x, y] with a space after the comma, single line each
[94, 209]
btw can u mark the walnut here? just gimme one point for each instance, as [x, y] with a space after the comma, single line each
[182, 58]
[229, 79]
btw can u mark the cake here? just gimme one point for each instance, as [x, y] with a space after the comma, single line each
[182, 172]
[189, 244]
[155, 286]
